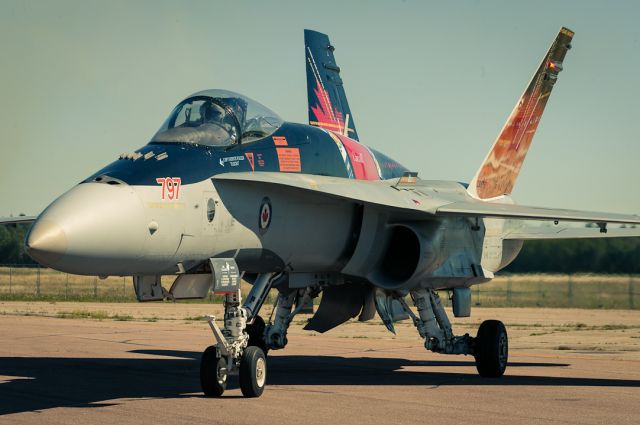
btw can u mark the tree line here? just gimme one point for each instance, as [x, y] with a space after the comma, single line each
[615, 255]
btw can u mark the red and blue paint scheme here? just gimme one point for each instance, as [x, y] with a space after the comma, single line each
[293, 148]
[327, 146]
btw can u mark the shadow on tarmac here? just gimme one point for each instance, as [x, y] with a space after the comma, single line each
[43, 383]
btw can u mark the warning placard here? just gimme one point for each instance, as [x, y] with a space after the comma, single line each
[280, 141]
[289, 159]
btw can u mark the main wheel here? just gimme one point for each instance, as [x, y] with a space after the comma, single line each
[213, 372]
[491, 349]
[253, 372]
[256, 334]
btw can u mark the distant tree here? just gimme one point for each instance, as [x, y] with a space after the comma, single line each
[12, 244]
[615, 255]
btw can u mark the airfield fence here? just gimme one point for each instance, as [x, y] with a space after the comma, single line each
[18, 282]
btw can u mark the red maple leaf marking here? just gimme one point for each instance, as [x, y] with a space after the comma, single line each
[324, 110]
[265, 215]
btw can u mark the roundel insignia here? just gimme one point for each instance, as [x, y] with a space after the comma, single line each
[264, 219]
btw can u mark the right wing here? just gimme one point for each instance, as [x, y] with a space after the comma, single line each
[18, 220]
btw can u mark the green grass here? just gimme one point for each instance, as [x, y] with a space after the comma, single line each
[96, 315]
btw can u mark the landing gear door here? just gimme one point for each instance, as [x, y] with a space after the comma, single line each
[226, 276]
[149, 288]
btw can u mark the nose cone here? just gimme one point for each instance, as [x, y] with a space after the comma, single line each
[95, 228]
[47, 242]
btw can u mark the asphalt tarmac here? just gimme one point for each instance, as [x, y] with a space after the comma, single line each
[83, 371]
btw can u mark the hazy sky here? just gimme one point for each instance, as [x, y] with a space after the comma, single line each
[429, 83]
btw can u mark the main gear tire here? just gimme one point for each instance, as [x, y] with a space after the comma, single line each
[491, 349]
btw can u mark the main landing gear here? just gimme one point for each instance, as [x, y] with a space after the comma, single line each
[490, 347]
[240, 347]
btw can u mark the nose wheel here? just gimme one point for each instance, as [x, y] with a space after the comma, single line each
[213, 372]
[253, 372]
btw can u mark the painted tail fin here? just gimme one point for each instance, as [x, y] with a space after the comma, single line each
[328, 106]
[500, 169]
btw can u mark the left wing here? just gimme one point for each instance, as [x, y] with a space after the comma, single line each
[419, 198]
[529, 233]
[18, 220]
[475, 208]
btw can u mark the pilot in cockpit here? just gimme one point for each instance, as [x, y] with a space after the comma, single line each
[218, 122]
[210, 113]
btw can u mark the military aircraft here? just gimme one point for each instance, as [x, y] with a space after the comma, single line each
[227, 190]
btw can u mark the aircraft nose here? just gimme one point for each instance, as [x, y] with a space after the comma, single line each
[95, 228]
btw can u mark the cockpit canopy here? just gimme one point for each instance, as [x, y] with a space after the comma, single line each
[218, 118]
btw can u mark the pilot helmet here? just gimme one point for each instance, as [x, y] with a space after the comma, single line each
[209, 112]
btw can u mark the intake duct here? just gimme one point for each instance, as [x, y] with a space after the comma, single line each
[408, 254]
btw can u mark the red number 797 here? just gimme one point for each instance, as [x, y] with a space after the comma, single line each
[170, 187]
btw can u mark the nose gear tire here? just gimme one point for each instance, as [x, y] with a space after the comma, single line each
[253, 372]
[213, 373]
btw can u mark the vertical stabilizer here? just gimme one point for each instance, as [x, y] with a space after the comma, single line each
[328, 106]
[500, 169]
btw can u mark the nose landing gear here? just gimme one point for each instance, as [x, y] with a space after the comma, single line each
[239, 347]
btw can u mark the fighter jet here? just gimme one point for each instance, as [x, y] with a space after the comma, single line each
[226, 190]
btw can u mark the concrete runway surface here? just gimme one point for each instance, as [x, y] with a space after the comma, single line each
[82, 371]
